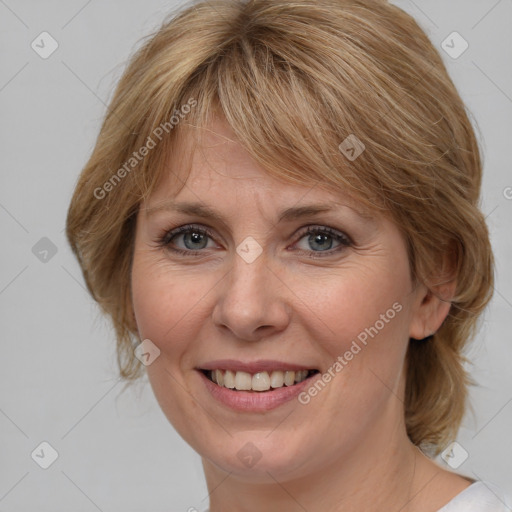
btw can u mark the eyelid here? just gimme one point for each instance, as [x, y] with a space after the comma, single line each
[343, 239]
[312, 228]
[169, 234]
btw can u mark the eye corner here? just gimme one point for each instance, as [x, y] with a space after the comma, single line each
[339, 236]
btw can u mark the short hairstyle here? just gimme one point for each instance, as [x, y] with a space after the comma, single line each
[294, 79]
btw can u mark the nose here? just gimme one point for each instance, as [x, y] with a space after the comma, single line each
[251, 301]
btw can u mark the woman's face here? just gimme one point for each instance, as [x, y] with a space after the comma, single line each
[261, 294]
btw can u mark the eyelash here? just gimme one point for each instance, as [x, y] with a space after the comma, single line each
[165, 240]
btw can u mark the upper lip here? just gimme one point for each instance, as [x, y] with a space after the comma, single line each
[253, 366]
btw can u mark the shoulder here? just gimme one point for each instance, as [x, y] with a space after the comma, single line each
[480, 496]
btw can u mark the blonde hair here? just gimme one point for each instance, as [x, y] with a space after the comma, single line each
[294, 79]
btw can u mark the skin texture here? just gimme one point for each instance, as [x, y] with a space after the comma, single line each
[345, 450]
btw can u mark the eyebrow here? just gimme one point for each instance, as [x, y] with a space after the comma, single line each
[287, 215]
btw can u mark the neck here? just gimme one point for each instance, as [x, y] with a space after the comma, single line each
[379, 474]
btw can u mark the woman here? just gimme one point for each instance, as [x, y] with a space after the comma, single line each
[280, 217]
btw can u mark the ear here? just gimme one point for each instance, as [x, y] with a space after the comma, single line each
[432, 305]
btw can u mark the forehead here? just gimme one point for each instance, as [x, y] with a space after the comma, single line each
[210, 165]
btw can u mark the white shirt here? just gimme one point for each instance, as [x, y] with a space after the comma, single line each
[480, 496]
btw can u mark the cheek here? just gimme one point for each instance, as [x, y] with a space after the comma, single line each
[359, 317]
[357, 303]
[165, 299]
[169, 311]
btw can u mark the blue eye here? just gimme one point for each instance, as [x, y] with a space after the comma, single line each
[321, 240]
[194, 239]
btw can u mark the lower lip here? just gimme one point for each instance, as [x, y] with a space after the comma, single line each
[255, 401]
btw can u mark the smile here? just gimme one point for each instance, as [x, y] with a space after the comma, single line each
[257, 390]
[260, 381]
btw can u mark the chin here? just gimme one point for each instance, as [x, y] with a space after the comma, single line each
[254, 457]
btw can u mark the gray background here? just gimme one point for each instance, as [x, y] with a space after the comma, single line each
[58, 381]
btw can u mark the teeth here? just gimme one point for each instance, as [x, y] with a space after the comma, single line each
[300, 375]
[243, 381]
[261, 381]
[277, 379]
[289, 378]
[229, 379]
